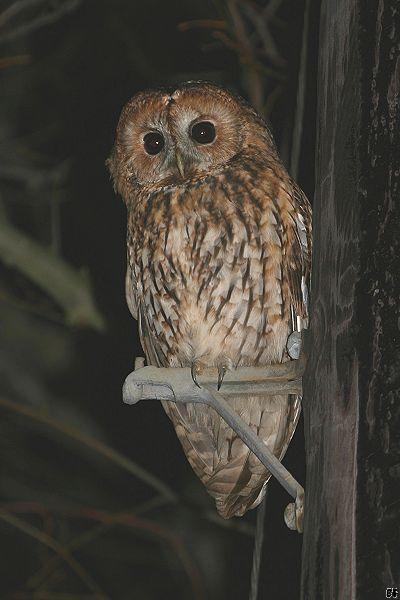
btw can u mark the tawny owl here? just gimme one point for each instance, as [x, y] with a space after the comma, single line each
[219, 249]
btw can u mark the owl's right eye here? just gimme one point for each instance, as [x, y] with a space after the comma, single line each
[153, 142]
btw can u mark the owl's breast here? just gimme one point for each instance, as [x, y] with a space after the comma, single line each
[210, 281]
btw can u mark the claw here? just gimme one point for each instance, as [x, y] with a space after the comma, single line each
[221, 374]
[193, 371]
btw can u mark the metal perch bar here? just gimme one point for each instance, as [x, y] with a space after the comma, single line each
[176, 385]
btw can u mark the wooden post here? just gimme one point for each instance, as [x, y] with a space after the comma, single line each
[351, 547]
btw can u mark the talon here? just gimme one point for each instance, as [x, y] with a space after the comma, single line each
[221, 375]
[194, 374]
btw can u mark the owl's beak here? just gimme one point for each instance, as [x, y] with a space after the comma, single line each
[180, 163]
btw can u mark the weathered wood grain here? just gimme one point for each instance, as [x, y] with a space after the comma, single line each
[352, 380]
[378, 303]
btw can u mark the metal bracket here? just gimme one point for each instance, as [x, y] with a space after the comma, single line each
[176, 385]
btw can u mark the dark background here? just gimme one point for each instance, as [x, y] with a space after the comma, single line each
[67, 68]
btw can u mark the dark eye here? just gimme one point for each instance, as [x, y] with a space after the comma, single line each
[203, 132]
[153, 142]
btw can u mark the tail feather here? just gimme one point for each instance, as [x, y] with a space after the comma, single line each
[232, 474]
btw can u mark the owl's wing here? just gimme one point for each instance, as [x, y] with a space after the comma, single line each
[136, 308]
[198, 442]
[297, 256]
[276, 426]
[151, 349]
[130, 293]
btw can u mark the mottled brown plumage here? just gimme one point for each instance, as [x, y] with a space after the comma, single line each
[219, 248]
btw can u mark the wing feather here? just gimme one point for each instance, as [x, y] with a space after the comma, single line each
[298, 252]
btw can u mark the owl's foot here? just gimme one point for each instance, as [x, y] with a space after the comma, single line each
[222, 369]
[196, 369]
[224, 365]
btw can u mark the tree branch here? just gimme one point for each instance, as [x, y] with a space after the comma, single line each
[68, 287]
[41, 20]
[50, 542]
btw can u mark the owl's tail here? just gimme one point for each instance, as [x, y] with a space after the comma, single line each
[232, 474]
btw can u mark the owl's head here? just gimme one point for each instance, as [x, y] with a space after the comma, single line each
[170, 138]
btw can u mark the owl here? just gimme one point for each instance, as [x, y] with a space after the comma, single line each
[218, 264]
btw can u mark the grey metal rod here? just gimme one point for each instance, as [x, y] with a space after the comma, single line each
[256, 445]
[176, 385]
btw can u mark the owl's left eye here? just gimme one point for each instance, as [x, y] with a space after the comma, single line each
[153, 142]
[203, 132]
